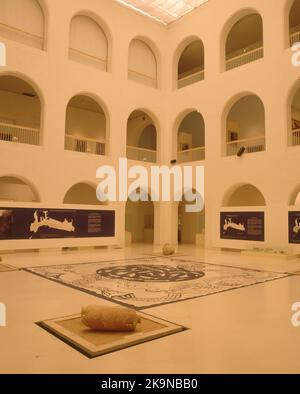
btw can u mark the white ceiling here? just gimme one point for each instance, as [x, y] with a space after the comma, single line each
[164, 11]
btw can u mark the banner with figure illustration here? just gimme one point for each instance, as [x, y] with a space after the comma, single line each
[294, 227]
[246, 226]
[40, 223]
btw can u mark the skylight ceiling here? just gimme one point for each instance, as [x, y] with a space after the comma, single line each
[164, 11]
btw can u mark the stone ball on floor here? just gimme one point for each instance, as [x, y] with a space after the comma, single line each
[168, 250]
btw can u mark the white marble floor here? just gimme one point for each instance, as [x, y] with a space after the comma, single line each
[246, 330]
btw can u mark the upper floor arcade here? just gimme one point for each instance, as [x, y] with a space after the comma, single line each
[91, 39]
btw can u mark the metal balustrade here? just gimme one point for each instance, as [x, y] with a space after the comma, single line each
[19, 134]
[248, 56]
[251, 145]
[185, 80]
[84, 145]
[296, 137]
[141, 154]
[195, 154]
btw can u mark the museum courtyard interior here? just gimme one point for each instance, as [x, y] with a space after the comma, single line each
[199, 83]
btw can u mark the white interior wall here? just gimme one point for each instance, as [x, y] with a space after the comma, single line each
[267, 170]
[59, 80]
[50, 168]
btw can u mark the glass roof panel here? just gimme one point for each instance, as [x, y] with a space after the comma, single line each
[164, 11]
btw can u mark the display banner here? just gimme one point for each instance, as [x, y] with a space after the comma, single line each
[294, 227]
[40, 223]
[246, 226]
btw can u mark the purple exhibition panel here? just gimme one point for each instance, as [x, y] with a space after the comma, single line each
[247, 226]
[294, 227]
[40, 223]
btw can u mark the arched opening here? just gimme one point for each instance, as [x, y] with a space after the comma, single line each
[294, 22]
[85, 126]
[141, 137]
[15, 189]
[191, 138]
[88, 42]
[244, 196]
[296, 201]
[139, 221]
[142, 63]
[294, 198]
[244, 42]
[191, 225]
[23, 21]
[245, 126]
[20, 111]
[295, 119]
[191, 64]
[81, 194]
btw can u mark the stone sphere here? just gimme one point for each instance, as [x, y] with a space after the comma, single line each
[168, 250]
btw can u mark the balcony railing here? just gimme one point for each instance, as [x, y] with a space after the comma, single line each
[20, 134]
[142, 78]
[84, 145]
[251, 145]
[141, 154]
[295, 35]
[86, 58]
[195, 154]
[296, 137]
[248, 56]
[16, 34]
[190, 77]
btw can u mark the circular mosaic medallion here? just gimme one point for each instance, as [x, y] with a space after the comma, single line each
[149, 273]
